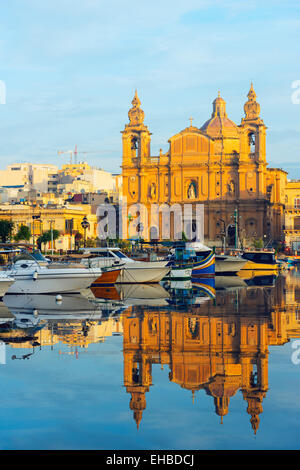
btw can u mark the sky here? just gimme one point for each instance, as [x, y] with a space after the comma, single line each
[70, 68]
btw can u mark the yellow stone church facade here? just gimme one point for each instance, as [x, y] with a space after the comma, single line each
[221, 165]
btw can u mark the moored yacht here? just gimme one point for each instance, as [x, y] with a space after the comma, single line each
[133, 271]
[259, 263]
[33, 276]
[228, 265]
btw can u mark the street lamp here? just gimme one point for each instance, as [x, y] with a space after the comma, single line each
[130, 218]
[51, 231]
[223, 233]
[85, 224]
[34, 217]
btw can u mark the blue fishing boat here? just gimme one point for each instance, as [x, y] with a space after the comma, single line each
[195, 256]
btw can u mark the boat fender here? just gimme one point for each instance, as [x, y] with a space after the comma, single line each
[35, 312]
[35, 276]
[58, 299]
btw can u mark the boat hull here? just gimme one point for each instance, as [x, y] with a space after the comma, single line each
[204, 268]
[143, 272]
[5, 284]
[107, 278]
[229, 265]
[48, 283]
[252, 269]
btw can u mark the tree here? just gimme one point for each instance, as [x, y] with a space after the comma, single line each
[6, 228]
[23, 233]
[47, 237]
[184, 237]
[258, 243]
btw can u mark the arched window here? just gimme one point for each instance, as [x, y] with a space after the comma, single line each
[134, 146]
[252, 142]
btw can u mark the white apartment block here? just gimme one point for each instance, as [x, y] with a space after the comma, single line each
[29, 175]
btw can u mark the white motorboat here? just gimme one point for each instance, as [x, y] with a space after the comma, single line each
[5, 283]
[225, 264]
[132, 271]
[32, 276]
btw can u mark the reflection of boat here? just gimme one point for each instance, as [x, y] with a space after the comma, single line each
[68, 305]
[206, 286]
[141, 294]
[105, 292]
[133, 271]
[5, 314]
[262, 280]
[35, 277]
[5, 283]
[229, 282]
[181, 285]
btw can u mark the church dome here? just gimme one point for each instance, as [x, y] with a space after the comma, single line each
[219, 125]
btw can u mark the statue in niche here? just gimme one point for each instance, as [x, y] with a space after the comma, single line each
[231, 188]
[152, 190]
[152, 326]
[192, 191]
[193, 327]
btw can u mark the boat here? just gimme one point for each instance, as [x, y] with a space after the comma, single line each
[195, 256]
[5, 283]
[108, 277]
[38, 276]
[259, 263]
[228, 265]
[223, 264]
[109, 273]
[132, 272]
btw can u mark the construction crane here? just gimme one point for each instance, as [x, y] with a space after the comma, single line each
[75, 153]
[60, 152]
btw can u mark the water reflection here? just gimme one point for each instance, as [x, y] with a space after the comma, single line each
[213, 337]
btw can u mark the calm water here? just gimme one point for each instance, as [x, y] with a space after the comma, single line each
[153, 367]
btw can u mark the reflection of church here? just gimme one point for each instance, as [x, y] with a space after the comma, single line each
[220, 164]
[220, 348]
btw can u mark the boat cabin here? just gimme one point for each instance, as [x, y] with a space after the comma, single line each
[260, 257]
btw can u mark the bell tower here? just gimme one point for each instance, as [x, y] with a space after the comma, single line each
[253, 131]
[136, 136]
[136, 152]
[252, 161]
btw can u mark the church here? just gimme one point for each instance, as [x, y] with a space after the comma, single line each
[221, 165]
